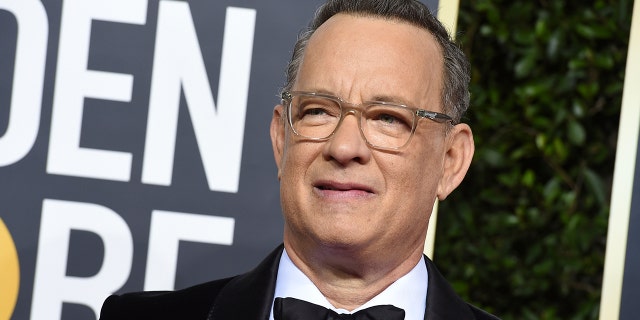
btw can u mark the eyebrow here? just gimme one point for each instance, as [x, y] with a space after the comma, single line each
[391, 99]
[379, 97]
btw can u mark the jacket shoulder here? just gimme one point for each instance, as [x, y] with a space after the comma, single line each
[481, 314]
[193, 302]
[245, 296]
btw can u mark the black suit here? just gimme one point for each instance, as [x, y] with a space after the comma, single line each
[249, 297]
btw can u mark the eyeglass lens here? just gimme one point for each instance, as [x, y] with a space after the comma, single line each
[317, 117]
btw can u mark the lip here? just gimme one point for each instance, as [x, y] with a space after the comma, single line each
[342, 190]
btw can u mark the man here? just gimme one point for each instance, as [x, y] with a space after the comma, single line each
[366, 138]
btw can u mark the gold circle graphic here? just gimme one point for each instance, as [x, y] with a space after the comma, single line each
[9, 273]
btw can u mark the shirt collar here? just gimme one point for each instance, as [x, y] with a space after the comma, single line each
[409, 292]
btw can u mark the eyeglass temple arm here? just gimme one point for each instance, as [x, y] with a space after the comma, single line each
[435, 116]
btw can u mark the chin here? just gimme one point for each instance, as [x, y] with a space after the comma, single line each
[344, 241]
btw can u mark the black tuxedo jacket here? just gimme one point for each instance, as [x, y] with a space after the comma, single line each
[250, 296]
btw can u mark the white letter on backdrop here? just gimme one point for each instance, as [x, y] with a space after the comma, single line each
[28, 78]
[178, 64]
[52, 287]
[167, 230]
[74, 82]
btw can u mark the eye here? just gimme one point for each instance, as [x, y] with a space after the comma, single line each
[314, 111]
[317, 107]
[387, 118]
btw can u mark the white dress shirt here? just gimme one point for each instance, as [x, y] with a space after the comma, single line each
[409, 292]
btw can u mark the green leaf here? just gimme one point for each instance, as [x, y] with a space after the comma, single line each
[577, 134]
[529, 178]
[541, 140]
[596, 186]
[524, 67]
[592, 31]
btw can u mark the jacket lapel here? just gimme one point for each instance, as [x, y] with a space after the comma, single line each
[442, 302]
[249, 296]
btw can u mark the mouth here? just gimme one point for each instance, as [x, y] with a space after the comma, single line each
[339, 187]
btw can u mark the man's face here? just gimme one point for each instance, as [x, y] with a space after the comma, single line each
[340, 192]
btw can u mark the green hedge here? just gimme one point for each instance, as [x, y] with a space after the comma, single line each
[524, 235]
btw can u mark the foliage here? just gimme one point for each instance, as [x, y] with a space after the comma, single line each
[524, 235]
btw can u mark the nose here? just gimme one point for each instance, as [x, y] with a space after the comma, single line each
[347, 144]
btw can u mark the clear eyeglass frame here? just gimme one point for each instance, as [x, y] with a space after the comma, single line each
[357, 110]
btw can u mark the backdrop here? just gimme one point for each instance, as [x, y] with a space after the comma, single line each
[134, 146]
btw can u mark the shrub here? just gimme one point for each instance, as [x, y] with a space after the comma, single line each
[524, 235]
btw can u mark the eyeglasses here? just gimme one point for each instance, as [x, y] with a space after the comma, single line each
[383, 125]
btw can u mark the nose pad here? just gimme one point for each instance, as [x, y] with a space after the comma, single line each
[352, 111]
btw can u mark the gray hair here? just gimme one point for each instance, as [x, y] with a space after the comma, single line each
[455, 92]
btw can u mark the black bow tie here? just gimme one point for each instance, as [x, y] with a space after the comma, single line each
[295, 309]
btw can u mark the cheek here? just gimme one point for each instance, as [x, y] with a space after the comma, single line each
[415, 179]
[296, 158]
[296, 161]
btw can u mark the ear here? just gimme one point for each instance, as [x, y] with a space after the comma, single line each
[277, 131]
[457, 159]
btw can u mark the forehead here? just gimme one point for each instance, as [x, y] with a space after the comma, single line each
[360, 57]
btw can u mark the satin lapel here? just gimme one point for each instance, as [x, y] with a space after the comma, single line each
[442, 302]
[249, 296]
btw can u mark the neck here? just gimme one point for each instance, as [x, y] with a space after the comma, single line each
[349, 277]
